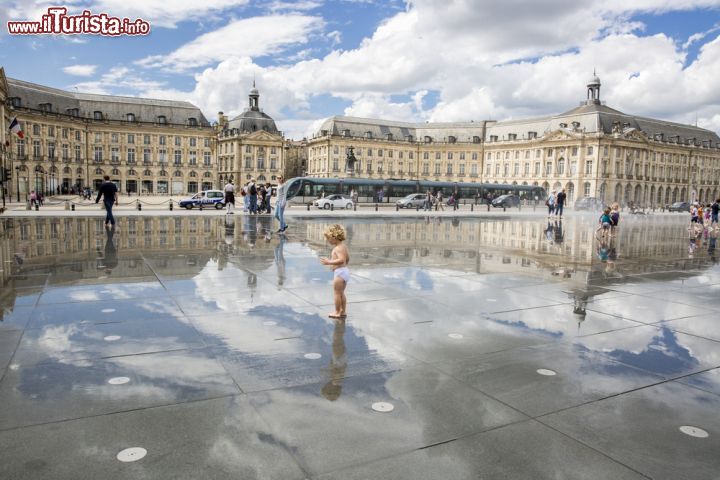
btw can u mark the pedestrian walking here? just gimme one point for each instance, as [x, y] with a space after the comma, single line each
[439, 199]
[280, 204]
[230, 197]
[550, 202]
[560, 203]
[714, 209]
[268, 197]
[109, 192]
[253, 194]
[33, 198]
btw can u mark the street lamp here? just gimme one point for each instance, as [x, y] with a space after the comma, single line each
[17, 179]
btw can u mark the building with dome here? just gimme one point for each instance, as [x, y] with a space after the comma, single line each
[146, 146]
[249, 145]
[590, 151]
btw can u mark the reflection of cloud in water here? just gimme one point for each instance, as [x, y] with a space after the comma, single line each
[656, 351]
[83, 296]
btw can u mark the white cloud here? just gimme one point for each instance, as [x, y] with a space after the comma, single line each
[118, 81]
[80, 70]
[472, 58]
[294, 6]
[252, 37]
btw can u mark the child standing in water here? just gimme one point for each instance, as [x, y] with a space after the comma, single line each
[339, 259]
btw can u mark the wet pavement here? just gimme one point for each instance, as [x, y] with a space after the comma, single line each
[503, 347]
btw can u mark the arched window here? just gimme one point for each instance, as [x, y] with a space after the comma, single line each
[132, 172]
[130, 117]
[79, 170]
[177, 173]
[97, 115]
[261, 178]
[207, 174]
[98, 171]
[162, 120]
[147, 173]
[115, 171]
[66, 170]
[193, 174]
[163, 173]
[192, 121]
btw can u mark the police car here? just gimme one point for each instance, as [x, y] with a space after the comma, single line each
[206, 198]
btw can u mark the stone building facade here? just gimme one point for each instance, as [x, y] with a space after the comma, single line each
[591, 151]
[250, 145]
[146, 146]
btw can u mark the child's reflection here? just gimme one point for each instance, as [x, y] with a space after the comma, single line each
[338, 364]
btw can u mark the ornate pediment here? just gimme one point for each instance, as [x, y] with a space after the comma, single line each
[262, 135]
[632, 134]
[560, 135]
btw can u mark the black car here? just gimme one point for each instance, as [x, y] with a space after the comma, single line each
[506, 201]
[679, 207]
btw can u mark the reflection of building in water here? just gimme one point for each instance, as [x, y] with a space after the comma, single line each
[76, 243]
[503, 245]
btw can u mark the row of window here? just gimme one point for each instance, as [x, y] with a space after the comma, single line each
[226, 164]
[115, 137]
[248, 149]
[162, 156]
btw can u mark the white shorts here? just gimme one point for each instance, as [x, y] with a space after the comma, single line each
[342, 272]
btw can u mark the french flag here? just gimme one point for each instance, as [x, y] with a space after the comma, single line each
[15, 128]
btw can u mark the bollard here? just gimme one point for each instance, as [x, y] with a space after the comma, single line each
[418, 208]
[37, 207]
[354, 207]
[376, 207]
[139, 205]
[171, 205]
[332, 207]
[488, 207]
[503, 208]
[72, 207]
[472, 208]
[308, 206]
[518, 207]
[397, 207]
[437, 205]
[67, 205]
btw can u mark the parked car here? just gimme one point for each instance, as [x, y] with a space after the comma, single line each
[506, 201]
[206, 198]
[414, 200]
[588, 203]
[679, 207]
[336, 200]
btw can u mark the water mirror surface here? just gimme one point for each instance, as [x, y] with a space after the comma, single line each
[449, 320]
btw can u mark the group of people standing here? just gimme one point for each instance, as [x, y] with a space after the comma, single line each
[704, 216]
[556, 203]
[256, 199]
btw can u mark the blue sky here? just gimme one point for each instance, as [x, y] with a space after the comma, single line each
[437, 60]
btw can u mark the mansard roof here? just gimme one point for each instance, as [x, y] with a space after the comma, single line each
[113, 107]
[380, 129]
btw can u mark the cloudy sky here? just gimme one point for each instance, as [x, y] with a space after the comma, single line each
[414, 60]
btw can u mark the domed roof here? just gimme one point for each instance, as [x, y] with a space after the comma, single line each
[254, 91]
[253, 121]
[595, 80]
